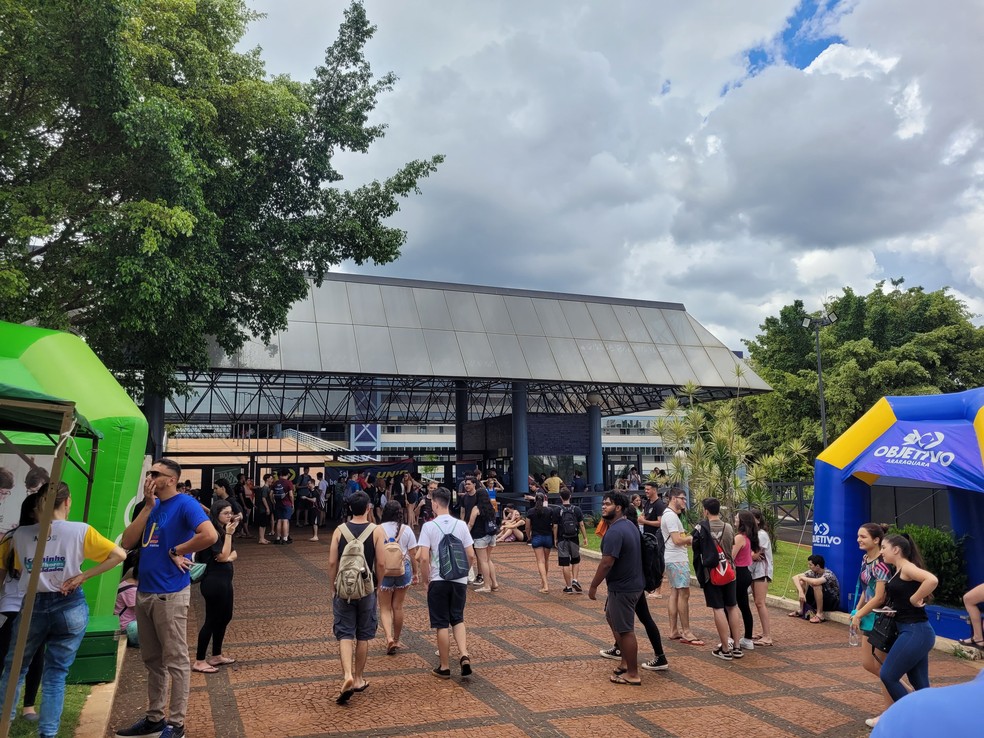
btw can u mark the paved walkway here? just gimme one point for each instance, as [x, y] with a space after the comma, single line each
[537, 670]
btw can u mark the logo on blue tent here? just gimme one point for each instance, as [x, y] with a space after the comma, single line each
[822, 537]
[917, 450]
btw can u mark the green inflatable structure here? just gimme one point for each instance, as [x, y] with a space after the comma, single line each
[104, 458]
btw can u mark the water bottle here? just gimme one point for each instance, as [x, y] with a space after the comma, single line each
[853, 637]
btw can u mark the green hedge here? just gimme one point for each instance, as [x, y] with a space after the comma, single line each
[943, 553]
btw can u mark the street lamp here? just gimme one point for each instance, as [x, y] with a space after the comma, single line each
[816, 324]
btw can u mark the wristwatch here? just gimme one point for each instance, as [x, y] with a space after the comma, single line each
[172, 551]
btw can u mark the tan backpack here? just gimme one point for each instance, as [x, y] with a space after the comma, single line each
[393, 556]
[354, 580]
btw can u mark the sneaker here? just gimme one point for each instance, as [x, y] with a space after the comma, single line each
[657, 664]
[143, 728]
[737, 653]
[721, 654]
[173, 731]
[746, 644]
[611, 653]
[568, 590]
[479, 580]
[576, 585]
[288, 539]
[872, 722]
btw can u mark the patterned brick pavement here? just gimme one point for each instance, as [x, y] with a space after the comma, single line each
[537, 670]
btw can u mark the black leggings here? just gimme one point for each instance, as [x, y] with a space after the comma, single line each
[217, 591]
[32, 682]
[642, 612]
[743, 582]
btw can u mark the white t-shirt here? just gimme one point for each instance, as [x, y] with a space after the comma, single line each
[763, 567]
[668, 523]
[68, 546]
[430, 537]
[407, 540]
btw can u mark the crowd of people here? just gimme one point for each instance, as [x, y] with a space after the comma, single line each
[389, 535]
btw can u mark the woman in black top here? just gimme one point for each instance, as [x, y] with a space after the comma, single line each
[539, 525]
[479, 521]
[217, 589]
[907, 592]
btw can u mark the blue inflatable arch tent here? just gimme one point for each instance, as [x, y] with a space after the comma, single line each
[937, 440]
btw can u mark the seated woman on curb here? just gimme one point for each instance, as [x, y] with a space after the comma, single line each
[512, 528]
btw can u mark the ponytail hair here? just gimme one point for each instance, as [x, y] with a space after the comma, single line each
[877, 531]
[907, 547]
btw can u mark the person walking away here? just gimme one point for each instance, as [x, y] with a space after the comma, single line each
[60, 613]
[539, 522]
[713, 534]
[678, 568]
[621, 570]
[355, 568]
[446, 579]
[972, 601]
[282, 492]
[568, 523]
[762, 571]
[907, 592]
[481, 525]
[874, 575]
[320, 509]
[11, 601]
[169, 528]
[263, 510]
[393, 588]
[746, 543]
[216, 586]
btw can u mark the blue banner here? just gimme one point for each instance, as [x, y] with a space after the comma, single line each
[941, 452]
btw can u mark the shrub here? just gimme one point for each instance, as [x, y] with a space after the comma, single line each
[943, 553]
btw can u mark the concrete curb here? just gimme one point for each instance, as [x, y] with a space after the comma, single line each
[94, 718]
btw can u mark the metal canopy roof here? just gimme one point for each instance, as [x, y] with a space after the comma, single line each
[410, 344]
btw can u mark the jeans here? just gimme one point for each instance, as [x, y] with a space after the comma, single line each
[909, 656]
[59, 623]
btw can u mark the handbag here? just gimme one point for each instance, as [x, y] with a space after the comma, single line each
[197, 571]
[883, 633]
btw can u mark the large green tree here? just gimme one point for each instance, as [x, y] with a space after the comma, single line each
[892, 341]
[157, 188]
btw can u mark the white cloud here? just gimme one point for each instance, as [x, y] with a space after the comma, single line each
[591, 147]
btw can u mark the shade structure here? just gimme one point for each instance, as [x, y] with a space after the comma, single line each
[934, 439]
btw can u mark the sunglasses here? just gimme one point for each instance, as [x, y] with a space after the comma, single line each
[155, 474]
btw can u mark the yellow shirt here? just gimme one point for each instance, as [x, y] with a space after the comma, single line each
[552, 484]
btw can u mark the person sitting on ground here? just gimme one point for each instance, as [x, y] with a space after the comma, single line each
[513, 526]
[818, 590]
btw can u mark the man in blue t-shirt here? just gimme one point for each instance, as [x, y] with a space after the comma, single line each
[169, 528]
[621, 569]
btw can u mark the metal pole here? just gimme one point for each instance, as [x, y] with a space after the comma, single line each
[823, 404]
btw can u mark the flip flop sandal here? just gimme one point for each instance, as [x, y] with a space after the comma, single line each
[363, 688]
[465, 664]
[694, 642]
[818, 619]
[622, 680]
[344, 697]
[391, 650]
[213, 670]
[676, 638]
[618, 671]
[971, 643]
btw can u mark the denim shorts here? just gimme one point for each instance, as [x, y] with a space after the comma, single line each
[400, 582]
[542, 540]
[484, 542]
[282, 512]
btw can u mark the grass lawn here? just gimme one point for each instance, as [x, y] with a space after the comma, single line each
[75, 696]
[788, 559]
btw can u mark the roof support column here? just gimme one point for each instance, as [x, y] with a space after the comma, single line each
[596, 479]
[460, 415]
[521, 447]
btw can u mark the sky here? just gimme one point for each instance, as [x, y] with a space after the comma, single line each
[731, 156]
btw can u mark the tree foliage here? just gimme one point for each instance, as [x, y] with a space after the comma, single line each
[892, 341]
[158, 189]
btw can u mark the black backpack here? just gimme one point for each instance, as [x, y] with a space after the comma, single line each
[568, 527]
[653, 561]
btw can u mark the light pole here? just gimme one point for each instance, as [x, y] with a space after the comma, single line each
[816, 324]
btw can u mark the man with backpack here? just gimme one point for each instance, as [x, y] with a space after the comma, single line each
[445, 554]
[568, 522]
[715, 572]
[282, 492]
[356, 561]
[652, 514]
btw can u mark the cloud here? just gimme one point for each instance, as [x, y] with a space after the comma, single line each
[730, 156]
